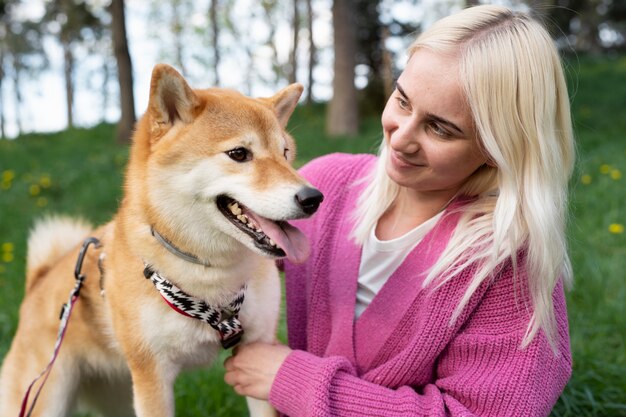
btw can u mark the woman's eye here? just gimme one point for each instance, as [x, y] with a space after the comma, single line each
[439, 131]
[239, 154]
[402, 103]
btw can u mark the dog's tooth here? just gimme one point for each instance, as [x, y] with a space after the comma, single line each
[242, 218]
[272, 243]
[234, 208]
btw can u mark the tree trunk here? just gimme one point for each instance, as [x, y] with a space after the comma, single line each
[177, 33]
[2, 124]
[68, 60]
[17, 71]
[124, 72]
[293, 59]
[215, 40]
[387, 66]
[105, 89]
[312, 52]
[342, 117]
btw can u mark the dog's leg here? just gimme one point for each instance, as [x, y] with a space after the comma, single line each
[153, 388]
[260, 408]
[57, 396]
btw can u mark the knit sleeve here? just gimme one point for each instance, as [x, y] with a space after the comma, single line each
[482, 372]
[493, 378]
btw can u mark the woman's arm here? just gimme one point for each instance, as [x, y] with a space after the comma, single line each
[476, 376]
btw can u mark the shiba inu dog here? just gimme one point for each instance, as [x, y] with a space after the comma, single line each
[186, 265]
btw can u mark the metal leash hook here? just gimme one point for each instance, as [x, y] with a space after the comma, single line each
[66, 311]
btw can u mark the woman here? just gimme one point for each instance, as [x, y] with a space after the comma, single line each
[435, 283]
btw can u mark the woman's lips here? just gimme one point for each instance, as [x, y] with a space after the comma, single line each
[401, 162]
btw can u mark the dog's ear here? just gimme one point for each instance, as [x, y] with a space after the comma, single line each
[171, 100]
[285, 101]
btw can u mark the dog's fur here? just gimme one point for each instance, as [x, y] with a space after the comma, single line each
[124, 345]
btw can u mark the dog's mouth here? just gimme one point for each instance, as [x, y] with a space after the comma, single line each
[276, 238]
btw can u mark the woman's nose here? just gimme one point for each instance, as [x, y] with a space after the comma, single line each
[405, 139]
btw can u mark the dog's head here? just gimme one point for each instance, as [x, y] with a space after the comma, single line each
[215, 166]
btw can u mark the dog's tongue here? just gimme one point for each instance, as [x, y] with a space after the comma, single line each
[288, 238]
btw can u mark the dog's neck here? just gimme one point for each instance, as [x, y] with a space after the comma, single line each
[174, 250]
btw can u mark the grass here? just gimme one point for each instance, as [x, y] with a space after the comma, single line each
[79, 172]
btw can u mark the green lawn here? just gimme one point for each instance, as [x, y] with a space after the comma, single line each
[79, 172]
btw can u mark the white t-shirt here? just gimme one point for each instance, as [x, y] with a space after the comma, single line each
[380, 259]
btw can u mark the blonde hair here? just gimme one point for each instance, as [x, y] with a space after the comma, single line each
[514, 83]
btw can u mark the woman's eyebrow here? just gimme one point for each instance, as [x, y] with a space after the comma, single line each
[401, 91]
[443, 121]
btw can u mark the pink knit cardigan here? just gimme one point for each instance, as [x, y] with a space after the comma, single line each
[402, 357]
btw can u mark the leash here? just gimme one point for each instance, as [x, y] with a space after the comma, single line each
[225, 320]
[66, 312]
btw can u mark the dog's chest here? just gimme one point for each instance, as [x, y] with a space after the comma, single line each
[183, 339]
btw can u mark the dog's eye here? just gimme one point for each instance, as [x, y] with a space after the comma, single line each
[286, 152]
[239, 154]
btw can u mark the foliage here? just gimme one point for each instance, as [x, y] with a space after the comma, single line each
[79, 172]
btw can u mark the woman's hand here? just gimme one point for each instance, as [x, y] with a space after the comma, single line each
[252, 368]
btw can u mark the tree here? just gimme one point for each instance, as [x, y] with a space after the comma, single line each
[4, 19]
[312, 51]
[293, 58]
[70, 20]
[343, 117]
[124, 71]
[22, 55]
[370, 55]
[215, 29]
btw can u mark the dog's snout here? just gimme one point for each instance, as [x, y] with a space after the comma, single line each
[309, 199]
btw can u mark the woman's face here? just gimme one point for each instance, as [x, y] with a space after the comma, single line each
[428, 127]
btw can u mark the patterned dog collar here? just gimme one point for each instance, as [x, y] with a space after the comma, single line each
[223, 319]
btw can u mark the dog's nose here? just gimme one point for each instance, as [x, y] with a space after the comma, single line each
[309, 199]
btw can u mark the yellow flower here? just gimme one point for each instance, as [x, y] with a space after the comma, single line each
[5, 185]
[616, 228]
[586, 179]
[8, 175]
[616, 174]
[7, 247]
[7, 257]
[45, 181]
[34, 190]
[605, 168]
[42, 202]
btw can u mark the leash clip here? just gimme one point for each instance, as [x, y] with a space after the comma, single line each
[79, 263]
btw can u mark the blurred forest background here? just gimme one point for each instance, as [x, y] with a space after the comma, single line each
[74, 76]
[345, 52]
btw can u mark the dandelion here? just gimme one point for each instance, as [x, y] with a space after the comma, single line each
[8, 175]
[7, 257]
[616, 174]
[7, 247]
[7, 179]
[586, 179]
[616, 228]
[605, 169]
[45, 181]
[34, 190]
[42, 202]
